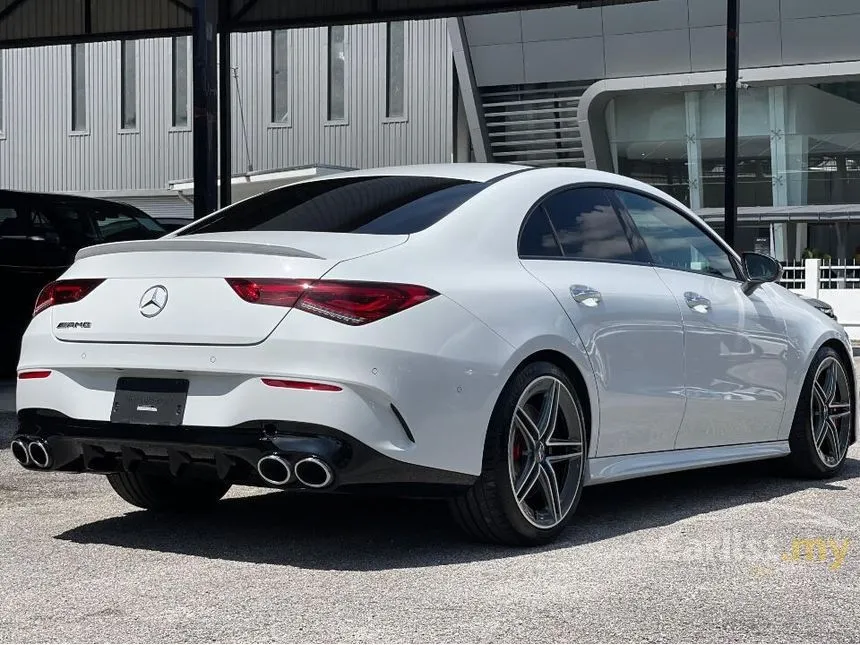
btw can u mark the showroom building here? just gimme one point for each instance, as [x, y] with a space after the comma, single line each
[636, 89]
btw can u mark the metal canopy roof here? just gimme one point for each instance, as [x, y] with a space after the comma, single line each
[26, 23]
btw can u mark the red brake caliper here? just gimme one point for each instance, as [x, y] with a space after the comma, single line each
[518, 448]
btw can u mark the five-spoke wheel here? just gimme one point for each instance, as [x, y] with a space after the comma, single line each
[545, 452]
[822, 427]
[830, 411]
[534, 460]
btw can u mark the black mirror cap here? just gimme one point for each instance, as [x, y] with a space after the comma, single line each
[760, 268]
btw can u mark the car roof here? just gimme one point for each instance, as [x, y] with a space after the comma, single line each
[488, 172]
[480, 172]
[61, 198]
[56, 197]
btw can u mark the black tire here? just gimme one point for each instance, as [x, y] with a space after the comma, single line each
[165, 493]
[805, 459]
[489, 511]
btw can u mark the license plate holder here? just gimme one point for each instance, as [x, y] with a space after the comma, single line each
[150, 401]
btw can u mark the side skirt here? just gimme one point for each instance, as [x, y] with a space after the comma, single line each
[602, 470]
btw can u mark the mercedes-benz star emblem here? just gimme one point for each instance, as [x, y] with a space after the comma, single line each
[153, 301]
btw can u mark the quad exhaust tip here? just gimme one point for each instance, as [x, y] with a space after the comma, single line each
[19, 451]
[314, 472]
[275, 470]
[39, 454]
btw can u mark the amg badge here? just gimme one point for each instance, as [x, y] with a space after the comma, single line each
[74, 325]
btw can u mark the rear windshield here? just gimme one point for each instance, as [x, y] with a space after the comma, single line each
[373, 205]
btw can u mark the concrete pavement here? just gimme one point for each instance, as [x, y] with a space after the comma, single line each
[732, 554]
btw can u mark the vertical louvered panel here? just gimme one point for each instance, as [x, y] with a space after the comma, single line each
[535, 124]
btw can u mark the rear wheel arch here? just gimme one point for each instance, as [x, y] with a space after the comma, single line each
[572, 371]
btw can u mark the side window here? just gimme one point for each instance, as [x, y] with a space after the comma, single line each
[11, 224]
[24, 221]
[587, 225]
[673, 240]
[537, 239]
[73, 225]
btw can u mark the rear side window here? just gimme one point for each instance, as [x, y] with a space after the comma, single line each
[371, 205]
[537, 238]
[579, 223]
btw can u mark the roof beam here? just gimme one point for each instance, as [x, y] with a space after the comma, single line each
[9, 10]
[245, 8]
[181, 5]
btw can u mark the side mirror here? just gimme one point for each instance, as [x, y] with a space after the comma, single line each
[760, 268]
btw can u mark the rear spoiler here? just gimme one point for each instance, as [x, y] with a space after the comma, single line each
[178, 244]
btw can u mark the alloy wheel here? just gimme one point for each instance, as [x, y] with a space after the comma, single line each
[830, 411]
[546, 452]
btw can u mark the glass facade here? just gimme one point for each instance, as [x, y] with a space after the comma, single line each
[799, 146]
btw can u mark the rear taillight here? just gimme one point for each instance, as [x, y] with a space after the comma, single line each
[351, 303]
[64, 292]
[281, 293]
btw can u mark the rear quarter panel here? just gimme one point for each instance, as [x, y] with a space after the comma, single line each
[471, 257]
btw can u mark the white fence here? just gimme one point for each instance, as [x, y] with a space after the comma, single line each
[836, 284]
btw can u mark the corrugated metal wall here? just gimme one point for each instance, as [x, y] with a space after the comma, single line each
[39, 151]
[367, 139]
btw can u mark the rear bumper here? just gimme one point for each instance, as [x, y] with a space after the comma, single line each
[227, 454]
[443, 373]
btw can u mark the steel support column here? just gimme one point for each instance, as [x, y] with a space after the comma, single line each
[732, 74]
[204, 45]
[225, 133]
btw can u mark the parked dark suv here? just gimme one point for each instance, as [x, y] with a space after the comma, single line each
[39, 236]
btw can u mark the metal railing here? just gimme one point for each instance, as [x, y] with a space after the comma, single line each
[793, 276]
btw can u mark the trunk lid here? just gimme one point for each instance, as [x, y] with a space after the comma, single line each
[173, 290]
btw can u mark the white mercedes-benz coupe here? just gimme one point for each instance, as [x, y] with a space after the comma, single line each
[499, 335]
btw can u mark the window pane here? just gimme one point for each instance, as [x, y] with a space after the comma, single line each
[72, 224]
[673, 240]
[129, 84]
[336, 73]
[396, 51]
[368, 205]
[280, 104]
[537, 239]
[647, 133]
[180, 82]
[79, 88]
[587, 225]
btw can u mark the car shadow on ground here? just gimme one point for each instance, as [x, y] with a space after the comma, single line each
[362, 534]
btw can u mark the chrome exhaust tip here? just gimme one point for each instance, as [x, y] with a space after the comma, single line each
[39, 454]
[19, 451]
[275, 470]
[314, 472]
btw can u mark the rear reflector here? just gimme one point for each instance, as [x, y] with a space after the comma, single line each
[64, 292]
[351, 303]
[301, 385]
[34, 374]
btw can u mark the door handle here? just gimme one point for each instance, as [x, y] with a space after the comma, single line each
[587, 296]
[697, 303]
